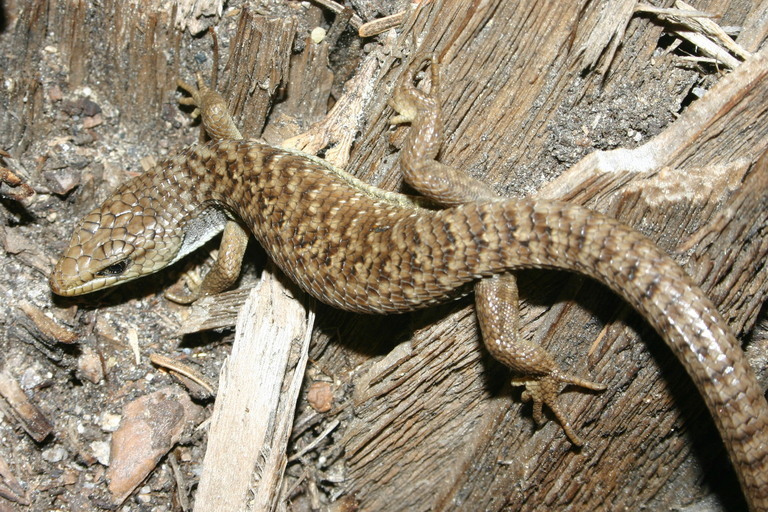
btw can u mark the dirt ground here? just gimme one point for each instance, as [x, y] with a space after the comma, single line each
[80, 152]
[80, 147]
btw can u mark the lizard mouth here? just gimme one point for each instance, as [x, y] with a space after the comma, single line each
[68, 280]
[62, 287]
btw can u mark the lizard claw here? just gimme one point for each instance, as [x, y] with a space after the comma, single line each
[543, 390]
[178, 294]
[212, 107]
[407, 100]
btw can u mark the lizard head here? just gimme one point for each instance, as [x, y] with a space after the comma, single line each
[125, 238]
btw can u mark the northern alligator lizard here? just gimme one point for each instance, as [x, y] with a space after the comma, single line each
[361, 249]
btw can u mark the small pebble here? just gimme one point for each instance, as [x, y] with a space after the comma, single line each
[54, 454]
[89, 365]
[317, 35]
[55, 94]
[320, 396]
[30, 379]
[101, 451]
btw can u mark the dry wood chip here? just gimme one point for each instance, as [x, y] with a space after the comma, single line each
[311, 446]
[344, 504]
[150, 427]
[378, 26]
[336, 7]
[185, 373]
[26, 251]
[9, 178]
[47, 326]
[90, 365]
[10, 488]
[215, 312]
[133, 342]
[195, 14]
[698, 28]
[337, 129]
[181, 483]
[31, 418]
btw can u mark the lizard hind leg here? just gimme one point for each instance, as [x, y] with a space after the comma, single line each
[496, 302]
[409, 102]
[441, 183]
[543, 390]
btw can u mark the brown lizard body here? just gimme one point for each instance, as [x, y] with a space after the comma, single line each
[361, 249]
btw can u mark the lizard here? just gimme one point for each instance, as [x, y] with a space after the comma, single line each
[363, 249]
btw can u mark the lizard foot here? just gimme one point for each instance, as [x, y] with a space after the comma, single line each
[178, 294]
[543, 390]
[212, 107]
[408, 101]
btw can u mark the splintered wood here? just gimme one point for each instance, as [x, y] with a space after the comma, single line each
[29, 416]
[246, 458]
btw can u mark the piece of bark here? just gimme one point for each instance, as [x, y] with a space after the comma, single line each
[310, 82]
[215, 312]
[343, 121]
[28, 414]
[736, 280]
[150, 426]
[8, 177]
[196, 15]
[25, 250]
[196, 384]
[47, 326]
[716, 137]
[10, 487]
[258, 63]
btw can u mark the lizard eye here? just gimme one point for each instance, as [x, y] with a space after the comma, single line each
[115, 269]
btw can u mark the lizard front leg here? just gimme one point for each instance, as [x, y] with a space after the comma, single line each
[496, 298]
[225, 270]
[218, 123]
